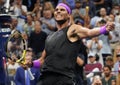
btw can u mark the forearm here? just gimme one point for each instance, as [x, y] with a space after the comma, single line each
[40, 61]
[99, 46]
[80, 62]
[89, 45]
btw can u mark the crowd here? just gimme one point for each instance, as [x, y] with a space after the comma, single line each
[99, 55]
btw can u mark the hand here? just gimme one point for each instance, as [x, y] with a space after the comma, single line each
[110, 26]
[25, 66]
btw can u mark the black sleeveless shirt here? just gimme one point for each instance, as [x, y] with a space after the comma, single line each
[61, 53]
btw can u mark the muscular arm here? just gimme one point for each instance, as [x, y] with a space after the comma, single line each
[76, 31]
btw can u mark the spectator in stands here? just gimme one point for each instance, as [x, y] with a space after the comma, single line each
[98, 4]
[19, 10]
[116, 9]
[95, 45]
[103, 14]
[37, 11]
[108, 5]
[78, 12]
[109, 61]
[48, 22]
[117, 64]
[108, 77]
[118, 79]
[12, 67]
[28, 27]
[48, 6]
[115, 41]
[29, 4]
[106, 49]
[96, 80]
[22, 76]
[37, 38]
[117, 51]
[93, 21]
[93, 66]
[116, 1]
[15, 25]
[79, 74]
[91, 6]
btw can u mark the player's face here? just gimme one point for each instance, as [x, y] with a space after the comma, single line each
[61, 13]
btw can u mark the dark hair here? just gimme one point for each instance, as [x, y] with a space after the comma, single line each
[107, 66]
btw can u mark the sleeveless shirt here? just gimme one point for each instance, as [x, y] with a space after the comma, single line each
[61, 53]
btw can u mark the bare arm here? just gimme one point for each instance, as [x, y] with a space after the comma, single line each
[80, 61]
[76, 31]
[42, 58]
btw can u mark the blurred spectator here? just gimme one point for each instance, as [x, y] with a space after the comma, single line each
[94, 45]
[23, 77]
[29, 4]
[78, 11]
[48, 22]
[109, 61]
[48, 6]
[116, 1]
[79, 70]
[37, 11]
[12, 67]
[115, 41]
[106, 49]
[108, 77]
[15, 25]
[103, 14]
[117, 51]
[93, 21]
[117, 82]
[79, 22]
[96, 80]
[117, 64]
[98, 4]
[108, 5]
[93, 66]
[116, 9]
[19, 10]
[28, 27]
[37, 38]
[2, 8]
[91, 6]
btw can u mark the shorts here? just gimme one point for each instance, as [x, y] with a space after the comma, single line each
[52, 78]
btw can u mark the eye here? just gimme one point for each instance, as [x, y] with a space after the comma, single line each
[62, 9]
[59, 9]
[56, 9]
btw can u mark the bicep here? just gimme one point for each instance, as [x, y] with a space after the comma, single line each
[86, 32]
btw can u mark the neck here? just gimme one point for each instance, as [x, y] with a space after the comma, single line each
[107, 77]
[61, 26]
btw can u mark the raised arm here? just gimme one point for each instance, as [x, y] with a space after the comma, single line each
[76, 31]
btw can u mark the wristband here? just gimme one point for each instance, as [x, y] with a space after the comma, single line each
[103, 30]
[36, 63]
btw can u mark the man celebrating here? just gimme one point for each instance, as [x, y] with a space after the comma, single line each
[61, 48]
